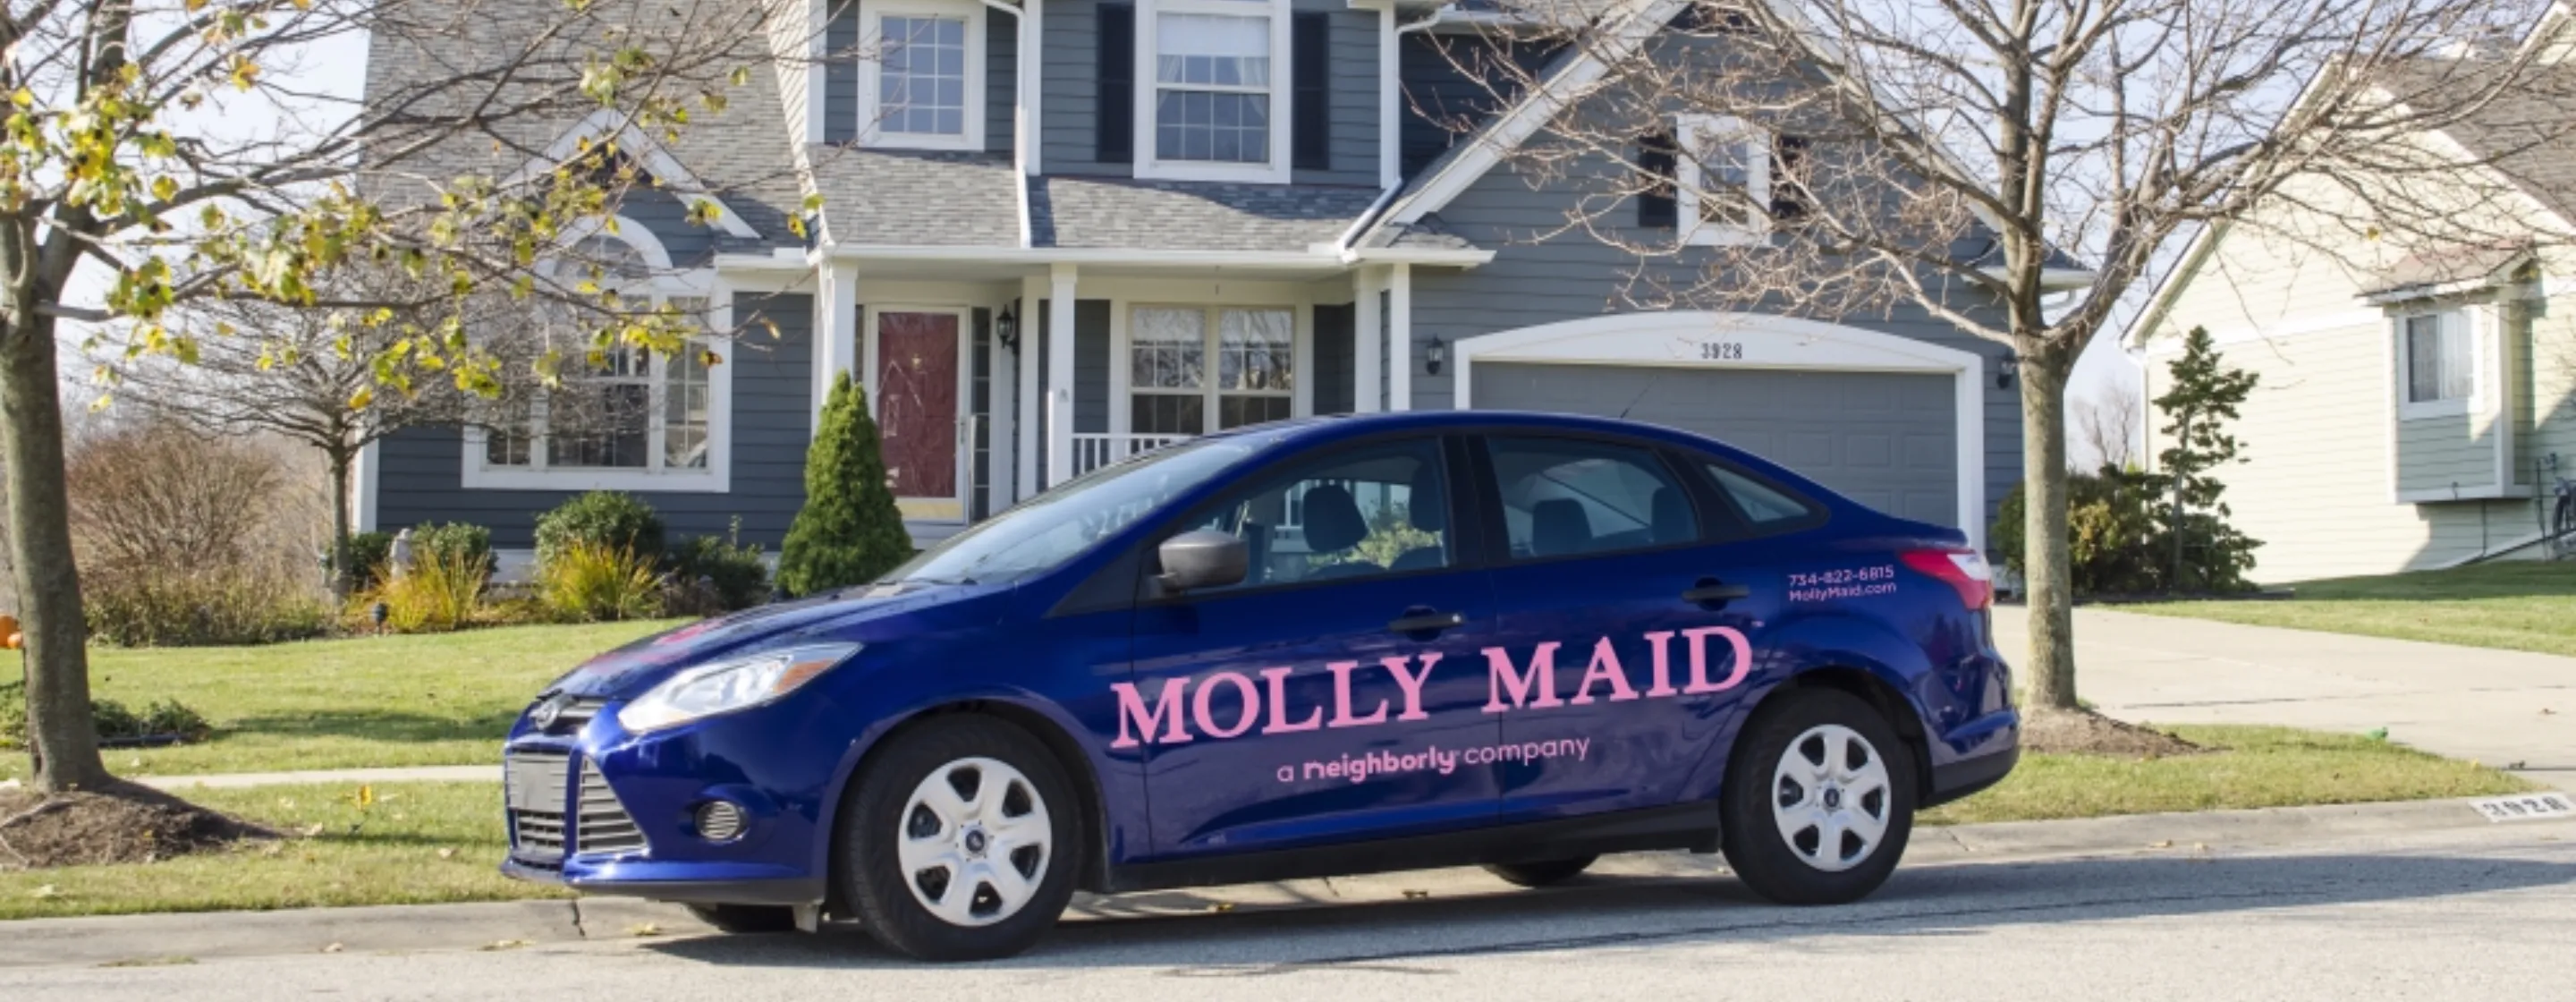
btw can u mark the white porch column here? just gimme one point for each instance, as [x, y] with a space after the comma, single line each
[1033, 290]
[1367, 345]
[1399, 339]
[1000, 435]
[1059, 381]
[362, 488]
[836, 332]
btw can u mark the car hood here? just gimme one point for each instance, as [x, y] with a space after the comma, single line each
[866, 614]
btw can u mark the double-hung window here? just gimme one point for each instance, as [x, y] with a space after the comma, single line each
[623, 418]
[1216, 103]
[923, 87]
[1194, 370]
[2438, 361]
[1722, 176]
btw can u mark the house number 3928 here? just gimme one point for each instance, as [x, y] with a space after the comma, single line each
[1721, 351]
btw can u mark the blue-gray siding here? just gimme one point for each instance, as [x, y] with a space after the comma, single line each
[690, 245]
[1449, 89]
[1072, 96]
[1532, 282]
[421, 470]
[847, 59]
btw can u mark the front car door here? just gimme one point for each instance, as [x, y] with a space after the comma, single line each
[1334, 694]
[1629, 632]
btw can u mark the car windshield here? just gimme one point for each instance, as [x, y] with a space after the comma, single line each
[1051, 528]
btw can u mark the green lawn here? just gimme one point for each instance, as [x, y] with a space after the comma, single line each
[2517, 605]
[2258, 767]
[419, 843]
[337, 704]
[436, 842]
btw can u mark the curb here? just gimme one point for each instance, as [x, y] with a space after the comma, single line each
[130, 939]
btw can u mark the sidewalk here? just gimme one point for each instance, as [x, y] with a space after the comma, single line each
[2463, 702]
[126, 939]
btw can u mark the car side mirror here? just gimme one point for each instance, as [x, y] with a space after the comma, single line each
[1204, 558]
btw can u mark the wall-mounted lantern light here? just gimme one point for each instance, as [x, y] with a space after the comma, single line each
[2010, 371]
[1006, 326]
[1434, 356]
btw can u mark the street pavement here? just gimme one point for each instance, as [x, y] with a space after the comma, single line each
[2455, 912]
[2508, 709]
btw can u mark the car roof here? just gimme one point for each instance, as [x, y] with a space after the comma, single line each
[1312, 431]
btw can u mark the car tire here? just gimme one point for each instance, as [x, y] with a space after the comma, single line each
[1554, 871]
[1798, 830]
[977, 872]
[746, 919]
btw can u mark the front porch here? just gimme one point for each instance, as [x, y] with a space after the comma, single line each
[986, 392]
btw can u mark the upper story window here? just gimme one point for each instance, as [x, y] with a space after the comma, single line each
[628, 419]
[1216, 102]
[2437, 360]
[925, 90]
[1723, 180]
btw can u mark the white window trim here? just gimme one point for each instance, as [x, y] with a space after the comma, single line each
[871, 30]
[1124, 391]
[715, 478]
[1148, 85]
[2480, 386]
[1687, 184]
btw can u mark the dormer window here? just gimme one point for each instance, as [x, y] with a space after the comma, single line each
[924, 89]
[1215, 107]
[1723, 172]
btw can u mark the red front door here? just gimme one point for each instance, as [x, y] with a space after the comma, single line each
[917, 366]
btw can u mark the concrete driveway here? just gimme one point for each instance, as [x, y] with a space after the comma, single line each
[2495, 707]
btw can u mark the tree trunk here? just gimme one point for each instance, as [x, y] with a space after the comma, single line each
[344, 578]
[2048, 677]
[64, 738]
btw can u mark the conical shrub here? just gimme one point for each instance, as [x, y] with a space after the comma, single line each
[849, 531]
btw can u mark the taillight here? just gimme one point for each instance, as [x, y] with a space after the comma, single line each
[1964, 570]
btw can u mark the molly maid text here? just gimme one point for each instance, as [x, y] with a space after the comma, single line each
[1510, 685]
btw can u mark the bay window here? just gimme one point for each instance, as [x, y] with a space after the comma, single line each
[626, 418]
[1215, 105]
[2439, 357]
[1173, 389]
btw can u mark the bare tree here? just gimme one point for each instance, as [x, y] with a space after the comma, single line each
[127, 151]
[2013, 168]
[2106, 427]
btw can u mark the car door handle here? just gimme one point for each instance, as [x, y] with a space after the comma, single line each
[1711, 591]
[1417, 621]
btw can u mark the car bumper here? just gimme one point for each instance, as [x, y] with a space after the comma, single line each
[604, 811]
[1982, 755]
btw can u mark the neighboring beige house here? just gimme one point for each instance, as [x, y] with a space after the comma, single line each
[2416, 405]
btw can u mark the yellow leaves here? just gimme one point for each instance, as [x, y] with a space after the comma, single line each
[358, 401]
[23, 98]
[363, 798]
[165, 187]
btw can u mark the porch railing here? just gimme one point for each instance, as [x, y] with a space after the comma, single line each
[1092, 451]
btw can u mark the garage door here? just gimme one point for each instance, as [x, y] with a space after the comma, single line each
[1887, 440]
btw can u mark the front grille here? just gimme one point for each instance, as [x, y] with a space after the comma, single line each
[540, 786]
[578, 712]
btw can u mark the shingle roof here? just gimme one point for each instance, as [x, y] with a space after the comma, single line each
[910, 198]
[1190, 215]
[2434, 268]
[2527, 130]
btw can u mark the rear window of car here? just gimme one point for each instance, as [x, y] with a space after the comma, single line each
[1766, 508]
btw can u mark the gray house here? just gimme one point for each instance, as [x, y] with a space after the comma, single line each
[1055, 233]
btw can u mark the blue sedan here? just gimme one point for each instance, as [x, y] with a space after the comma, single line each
[1311, 648]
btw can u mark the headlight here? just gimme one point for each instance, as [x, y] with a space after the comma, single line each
[726, 686]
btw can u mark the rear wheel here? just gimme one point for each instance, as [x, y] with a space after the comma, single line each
[959, 841]
[746, 918]
[1554, 871]
[1819, 800]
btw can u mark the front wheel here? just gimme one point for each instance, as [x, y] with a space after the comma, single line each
[1819, 800]
[959, 842]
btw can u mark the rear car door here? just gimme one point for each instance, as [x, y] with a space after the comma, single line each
[1332, 694]
[1632, 621]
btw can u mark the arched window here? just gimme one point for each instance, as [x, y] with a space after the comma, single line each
[631, 418]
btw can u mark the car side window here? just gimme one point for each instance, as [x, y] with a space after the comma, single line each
[1563, 497]
[1768, 508]
[1379, 509]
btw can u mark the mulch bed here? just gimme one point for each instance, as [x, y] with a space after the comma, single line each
[122, 823]
[2078, 732]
